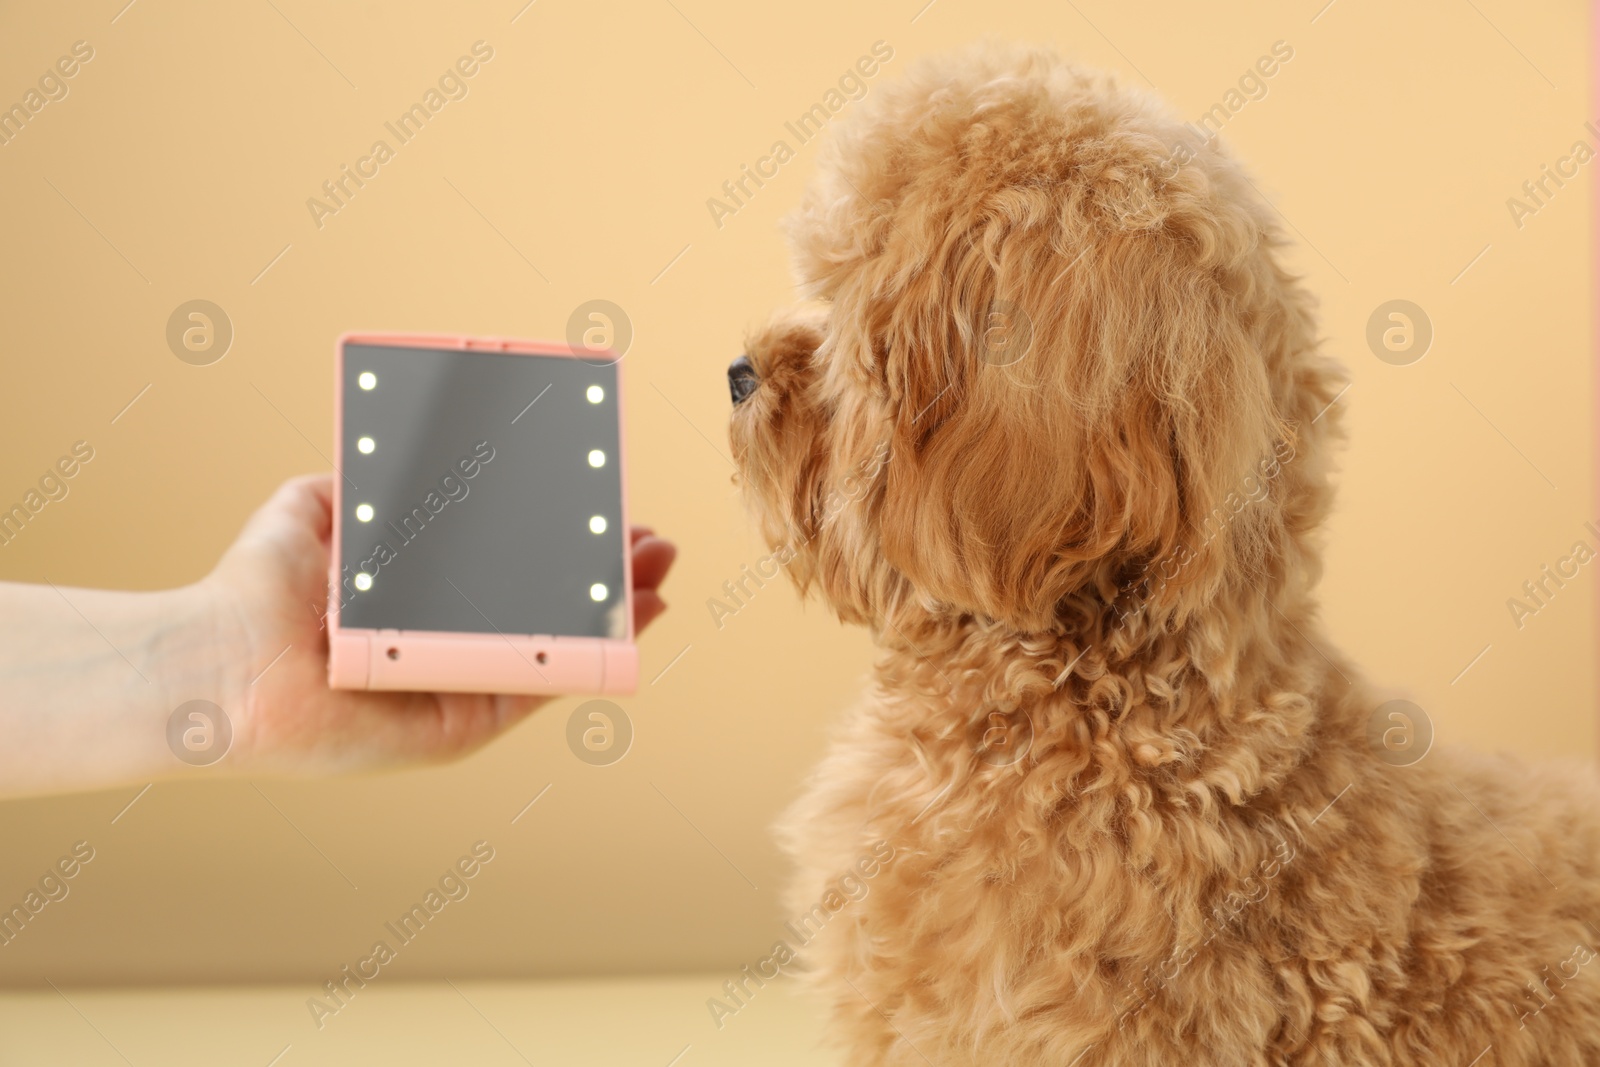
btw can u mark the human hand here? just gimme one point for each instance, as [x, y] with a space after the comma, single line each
[267, 598]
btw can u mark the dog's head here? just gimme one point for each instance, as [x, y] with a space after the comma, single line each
[1051, 358]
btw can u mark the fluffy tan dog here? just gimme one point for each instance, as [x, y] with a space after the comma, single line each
[1058, 432]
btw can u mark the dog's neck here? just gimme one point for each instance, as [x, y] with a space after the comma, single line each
[1138, 690]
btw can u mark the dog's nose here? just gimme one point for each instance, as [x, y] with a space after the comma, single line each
[742, 379]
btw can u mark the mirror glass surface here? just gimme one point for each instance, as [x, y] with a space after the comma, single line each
[481, 493]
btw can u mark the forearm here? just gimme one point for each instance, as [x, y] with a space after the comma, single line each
[89, 678]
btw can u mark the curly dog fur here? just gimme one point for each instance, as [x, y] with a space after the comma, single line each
[1056, 428]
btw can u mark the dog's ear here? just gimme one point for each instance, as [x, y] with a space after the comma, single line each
[1063, 428]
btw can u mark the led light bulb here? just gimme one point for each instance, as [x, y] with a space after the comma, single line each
[597, 524]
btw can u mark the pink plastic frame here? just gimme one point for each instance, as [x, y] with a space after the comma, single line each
[428, 661]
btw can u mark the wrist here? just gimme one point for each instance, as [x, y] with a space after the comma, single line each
[204, 653]
[92, 678]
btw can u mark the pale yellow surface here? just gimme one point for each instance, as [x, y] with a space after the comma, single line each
[597, 1023]
[585, 153]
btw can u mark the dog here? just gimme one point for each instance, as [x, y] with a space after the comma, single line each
[1053, 423]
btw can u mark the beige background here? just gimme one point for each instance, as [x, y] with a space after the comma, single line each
[585, 152]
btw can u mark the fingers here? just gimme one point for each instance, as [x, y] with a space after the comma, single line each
[647, 607]
[652, 559]
[313, 494]
[386, 729]
[306, 501]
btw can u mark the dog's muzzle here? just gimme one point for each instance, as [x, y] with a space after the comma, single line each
[742, 379]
